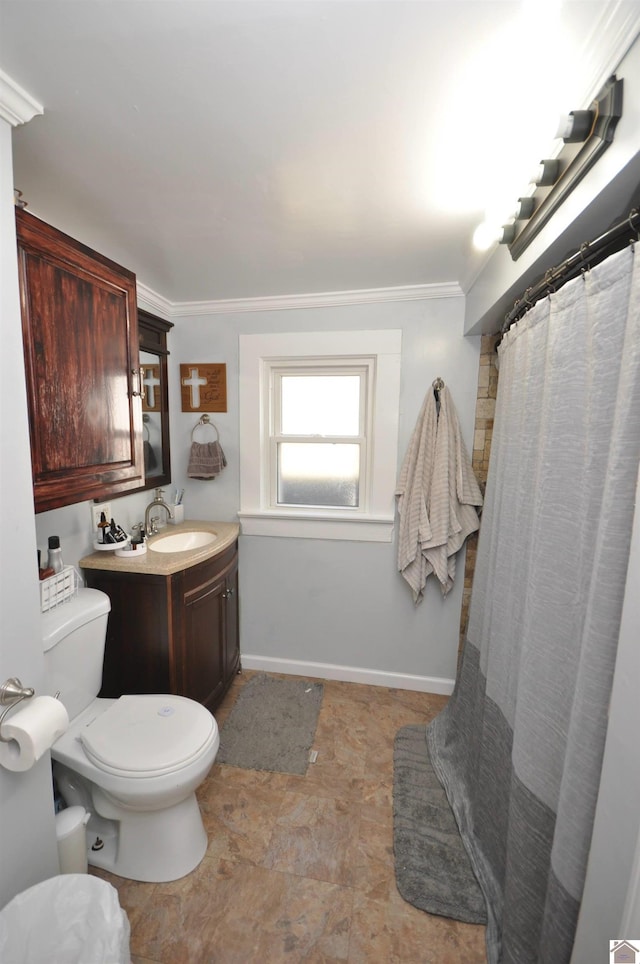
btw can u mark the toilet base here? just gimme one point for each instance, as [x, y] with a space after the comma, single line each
[154, 846]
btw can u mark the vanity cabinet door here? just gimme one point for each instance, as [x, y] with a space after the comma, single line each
[137, 656]
[200, 667]
[208, 651]
[80, 332]
[232, 625]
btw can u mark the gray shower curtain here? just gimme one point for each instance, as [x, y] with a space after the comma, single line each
[519, 746]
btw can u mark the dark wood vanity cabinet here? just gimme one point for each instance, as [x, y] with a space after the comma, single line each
[172, 634]
[80, 332]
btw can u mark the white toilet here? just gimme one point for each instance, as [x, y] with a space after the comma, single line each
[134, 763]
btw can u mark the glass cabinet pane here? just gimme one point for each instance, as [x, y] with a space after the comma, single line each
[152, 414]
[155, 398]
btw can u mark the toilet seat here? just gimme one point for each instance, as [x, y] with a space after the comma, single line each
[148, 735]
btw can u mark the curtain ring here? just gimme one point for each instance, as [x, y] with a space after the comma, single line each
[633, 214]
[547, 280]
[584, 250]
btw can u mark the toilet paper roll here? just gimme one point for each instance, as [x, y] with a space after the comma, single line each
[31, 731]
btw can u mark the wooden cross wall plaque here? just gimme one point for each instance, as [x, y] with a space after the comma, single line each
[203, 388]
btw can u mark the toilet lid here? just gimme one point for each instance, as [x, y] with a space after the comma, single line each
[143, 734]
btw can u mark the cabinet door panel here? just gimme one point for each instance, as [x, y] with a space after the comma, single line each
[79, 320]
[202, 660]
[232, 627]
[137, 656]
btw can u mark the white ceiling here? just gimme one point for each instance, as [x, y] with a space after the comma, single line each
[243, 149]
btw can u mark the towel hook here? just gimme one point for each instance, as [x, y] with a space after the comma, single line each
[438, 384]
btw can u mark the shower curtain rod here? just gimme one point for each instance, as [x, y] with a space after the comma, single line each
[589, 254]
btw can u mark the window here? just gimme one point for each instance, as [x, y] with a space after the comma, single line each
[318, 433]
[318, 437]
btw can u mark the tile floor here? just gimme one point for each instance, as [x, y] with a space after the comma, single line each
[300, 868]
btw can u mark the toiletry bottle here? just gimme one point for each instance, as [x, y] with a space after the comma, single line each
[44, 573]
[55, 554]
[103, 525]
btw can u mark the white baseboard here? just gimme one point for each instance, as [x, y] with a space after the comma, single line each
[350, 674]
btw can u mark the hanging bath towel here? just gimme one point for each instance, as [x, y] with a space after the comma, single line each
[437, 493]
[206, 460]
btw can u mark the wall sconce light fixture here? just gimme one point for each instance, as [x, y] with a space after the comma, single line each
[585, 135]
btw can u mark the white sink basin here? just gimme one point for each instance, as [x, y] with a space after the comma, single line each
[182, 541]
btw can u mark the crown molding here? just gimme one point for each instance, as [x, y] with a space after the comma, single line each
[16, 105]
[328, 299]
[612, 37]
[151, 301]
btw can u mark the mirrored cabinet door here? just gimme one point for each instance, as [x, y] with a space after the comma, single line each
[155, 398]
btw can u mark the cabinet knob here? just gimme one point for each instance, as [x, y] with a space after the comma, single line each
[227, 593]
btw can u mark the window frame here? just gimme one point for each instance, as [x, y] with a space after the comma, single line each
[259, 355]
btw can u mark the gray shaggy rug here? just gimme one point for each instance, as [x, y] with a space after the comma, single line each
[272, 725]
[433, 871]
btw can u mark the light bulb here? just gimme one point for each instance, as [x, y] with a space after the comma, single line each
[525, 208]
[546, 172]
[485, 236]
[575, 127]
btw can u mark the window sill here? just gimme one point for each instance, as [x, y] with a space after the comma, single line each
[310, 525]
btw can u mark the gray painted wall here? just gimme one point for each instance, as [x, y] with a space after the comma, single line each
[337, 603]
[310, 601]
[28, 851]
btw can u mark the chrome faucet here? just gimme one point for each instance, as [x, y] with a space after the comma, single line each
[151, 524]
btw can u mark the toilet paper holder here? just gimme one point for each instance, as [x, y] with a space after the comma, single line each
[12, 692]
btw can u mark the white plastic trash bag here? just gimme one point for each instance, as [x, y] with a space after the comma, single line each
[69, 919]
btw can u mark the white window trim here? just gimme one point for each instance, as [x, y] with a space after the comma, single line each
[375, 525]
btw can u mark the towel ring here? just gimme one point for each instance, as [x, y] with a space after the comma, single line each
[205, 421]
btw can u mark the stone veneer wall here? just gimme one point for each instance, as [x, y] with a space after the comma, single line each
[485, 409]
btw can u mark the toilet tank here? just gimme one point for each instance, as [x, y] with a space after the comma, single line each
[73, 637]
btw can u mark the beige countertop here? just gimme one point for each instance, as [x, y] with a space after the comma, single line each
[166, 563]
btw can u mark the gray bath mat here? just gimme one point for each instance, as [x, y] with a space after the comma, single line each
[272, 725]
[432, 867]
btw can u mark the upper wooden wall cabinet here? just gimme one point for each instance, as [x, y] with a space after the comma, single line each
[80, 331]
